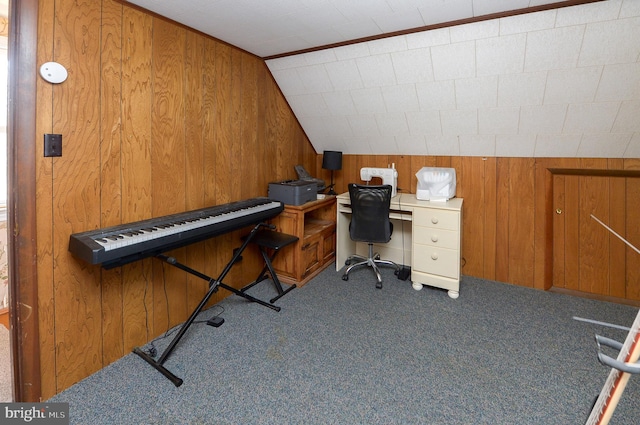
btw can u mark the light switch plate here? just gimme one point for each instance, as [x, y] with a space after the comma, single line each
[52, 145]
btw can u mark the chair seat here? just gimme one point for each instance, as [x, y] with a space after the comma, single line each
[273, 240]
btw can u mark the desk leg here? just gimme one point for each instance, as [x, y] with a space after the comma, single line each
[344, 245]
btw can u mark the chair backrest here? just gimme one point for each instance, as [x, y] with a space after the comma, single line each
[370, 213]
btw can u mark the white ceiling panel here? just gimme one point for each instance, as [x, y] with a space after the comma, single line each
[272, 27]
[558, 82]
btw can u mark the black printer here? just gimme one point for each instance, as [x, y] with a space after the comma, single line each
[293, 192]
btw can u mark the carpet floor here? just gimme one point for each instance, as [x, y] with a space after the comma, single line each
[348, 353]
[5, 367]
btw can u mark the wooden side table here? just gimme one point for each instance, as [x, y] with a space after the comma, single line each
[314, 223]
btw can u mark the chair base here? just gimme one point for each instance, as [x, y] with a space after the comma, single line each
[373, 260]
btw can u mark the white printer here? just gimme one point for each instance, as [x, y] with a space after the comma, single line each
[436, 184]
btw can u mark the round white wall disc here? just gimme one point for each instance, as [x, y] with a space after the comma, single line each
[53, 72]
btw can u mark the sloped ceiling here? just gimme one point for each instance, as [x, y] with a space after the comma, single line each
[558, 82]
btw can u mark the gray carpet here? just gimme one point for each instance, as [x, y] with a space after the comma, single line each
[6, 392]
[347, 353]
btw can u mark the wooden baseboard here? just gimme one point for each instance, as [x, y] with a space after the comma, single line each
[4, 317]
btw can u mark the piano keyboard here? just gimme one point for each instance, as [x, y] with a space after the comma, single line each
[118, 245]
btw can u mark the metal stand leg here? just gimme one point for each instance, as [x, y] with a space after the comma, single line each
[274, 241]
[213, 287]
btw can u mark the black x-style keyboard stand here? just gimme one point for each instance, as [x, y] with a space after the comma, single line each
[213, 288]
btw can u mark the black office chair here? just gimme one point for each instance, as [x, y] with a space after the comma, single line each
[370, 223]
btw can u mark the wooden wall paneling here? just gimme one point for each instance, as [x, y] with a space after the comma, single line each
[553, 231]
[572, 233]
[491, 217]
[594, 239]
[271, 129]
[632, 218]
[252, 166]
[617, 221]
[224, 146]
[236, 155]
[282, 135]
[261, 142]
[543, 231]
[194, 153]
[521, 221]
[286, 150]
[633, 236]
[558, 246]
[223, 123]
[309, 158]
[111, 168]
[76, 190]
[209, 153]
[593, 253]
[235, 106]
[502, 225]
[168, 163]
[44, 207]
[348, 174]
[403, 166]
[209, 125]
[473, 218]
[22, 215]
[137, 307]
[456, 164]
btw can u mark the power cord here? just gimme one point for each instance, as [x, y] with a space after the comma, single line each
[153, 351]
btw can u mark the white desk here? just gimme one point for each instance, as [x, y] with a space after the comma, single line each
[426, 236]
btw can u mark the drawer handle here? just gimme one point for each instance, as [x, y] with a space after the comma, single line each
[434, 238]
[434, 256]
[434, 220]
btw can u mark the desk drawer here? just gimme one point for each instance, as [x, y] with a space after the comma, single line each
[439, 261]
[441, 219]
[436, 237]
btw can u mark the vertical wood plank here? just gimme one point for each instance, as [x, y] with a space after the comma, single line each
[502, 225]
[168, 163]
[111, 178]
[76, 190]
[474, 215]
[559, 231]
[594, 239]
[490, 219]
[572, 233]
[194, 156]
[44, 206]
[617, 206]
[633, 235]
[543, 231]
[224, 145]
[137, 307]
[521, 221]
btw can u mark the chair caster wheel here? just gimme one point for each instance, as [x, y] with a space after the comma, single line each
[345, 277]
[347, 262]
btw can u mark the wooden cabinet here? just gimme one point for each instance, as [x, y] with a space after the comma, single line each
[315, 226]
[436, 246]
